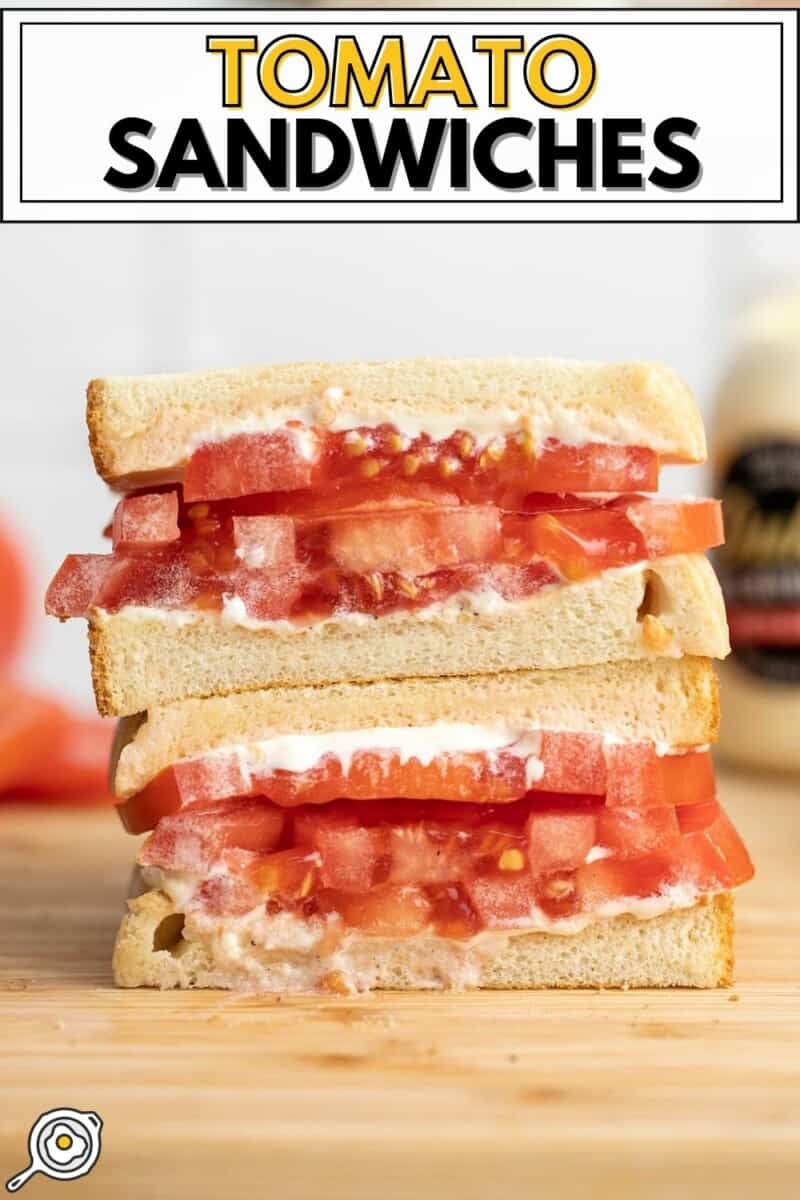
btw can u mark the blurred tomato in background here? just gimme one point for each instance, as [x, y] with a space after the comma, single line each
[48, 753]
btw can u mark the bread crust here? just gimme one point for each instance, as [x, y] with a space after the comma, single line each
[690, 947]
[666, 700]
[140, 427]
[141, 662]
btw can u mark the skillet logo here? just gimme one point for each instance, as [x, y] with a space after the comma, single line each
[295, 73]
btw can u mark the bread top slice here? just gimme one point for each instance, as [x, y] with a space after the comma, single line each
[665, 700]
[146, 428]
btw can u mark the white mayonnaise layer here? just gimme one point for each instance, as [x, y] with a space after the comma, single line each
[289, 953]
[483, 426]
[299, 752]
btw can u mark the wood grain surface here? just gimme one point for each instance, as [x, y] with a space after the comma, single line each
[655, 1094]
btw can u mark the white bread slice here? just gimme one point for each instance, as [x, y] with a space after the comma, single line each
[688, 947]
[146, 426]
[669, 607]
[666, 700]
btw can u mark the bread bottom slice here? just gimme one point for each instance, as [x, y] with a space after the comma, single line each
[685, 947]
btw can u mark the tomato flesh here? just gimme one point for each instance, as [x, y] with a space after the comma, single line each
[571, 764]
[146, 521]
[396, 868]
[14, 597]
[296, 459]
[356, 558]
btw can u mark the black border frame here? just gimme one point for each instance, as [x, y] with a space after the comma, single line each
[309, 18]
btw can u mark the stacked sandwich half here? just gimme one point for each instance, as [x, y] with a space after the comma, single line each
[414, 677]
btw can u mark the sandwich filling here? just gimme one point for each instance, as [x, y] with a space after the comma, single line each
[455, 832]
[402, 548]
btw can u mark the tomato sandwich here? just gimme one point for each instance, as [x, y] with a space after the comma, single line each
[550, 828]
[317, 523]
[414, 672]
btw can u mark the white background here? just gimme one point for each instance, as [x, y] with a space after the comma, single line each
[80, 79]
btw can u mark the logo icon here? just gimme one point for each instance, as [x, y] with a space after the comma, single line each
[64, 1143]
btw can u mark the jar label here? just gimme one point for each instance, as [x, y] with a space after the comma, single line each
[759, 565]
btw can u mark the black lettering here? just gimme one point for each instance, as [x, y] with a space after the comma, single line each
[306, 174]
[663, 140]
[483, 153]
[459, 153]
[118, 141]
[189, 138]
[243, 145]
[551, 153]
[399, 147]
[613, 153]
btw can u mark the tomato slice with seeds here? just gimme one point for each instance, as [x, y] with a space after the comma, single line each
[292, 460]
[397, 868]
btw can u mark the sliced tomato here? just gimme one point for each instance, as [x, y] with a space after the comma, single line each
[147, 521]
[266, 595]
[76, 583]
[226, 896]
[196, 839]
[452, 915]
[559, 840]
[694, 818]
[157, 580]
[30, 727]
[387, 911]
[426, 853]
[609, 879]
[501, 898]
[573, 762]
[414, 541]
[377, 496]
[208, 778]
[74, 769]
[633, 777]
[633, 832]
[350, 853]
[725, 839]
[265, 542]
[594, 467]
[677, 527]
[291, 874]
[250, 463]
[14, 597]
[687, 778]
[245, 464]
[584, 543]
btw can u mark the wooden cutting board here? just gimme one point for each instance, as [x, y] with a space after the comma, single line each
[480, 1095]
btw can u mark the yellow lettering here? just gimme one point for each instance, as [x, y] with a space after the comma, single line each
[441, 74]
[498, 50]
[388, 67]
[536, 64]
[269, 64]
[231, 49]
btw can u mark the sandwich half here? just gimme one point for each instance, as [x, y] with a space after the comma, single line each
[534, 829]
[313, 523]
